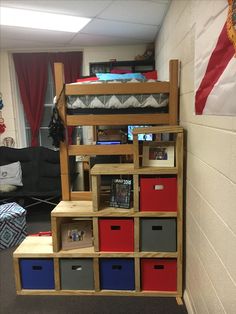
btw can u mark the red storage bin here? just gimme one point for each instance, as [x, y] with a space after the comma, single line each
[158, 194]
[159, 274]
[116, 235]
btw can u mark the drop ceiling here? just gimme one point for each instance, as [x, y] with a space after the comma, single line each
[126, 22]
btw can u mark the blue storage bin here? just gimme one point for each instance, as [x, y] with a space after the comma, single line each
[37, 273]
[117, 274]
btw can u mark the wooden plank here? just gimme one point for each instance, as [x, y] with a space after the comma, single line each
[159, 129]
[72, 208]
[95, 234]
[35, 247]
[173, 96]
[65, 187]
[136, 192]
[84, 209]
[96, 182]
[179, 301]
[90, 253]
[135, 150]
[57, 274]
[64, 164]
[114, 88]
[118, 149]
[179, 163]
[137, 274]
[59, 85]
[118, 119]
[56, 234]
[17, 276]
[96, 274]
[100, 293]
[113, 169]
[81, 195]
[136, 234]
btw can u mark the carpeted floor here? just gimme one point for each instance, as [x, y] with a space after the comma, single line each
[38, 219]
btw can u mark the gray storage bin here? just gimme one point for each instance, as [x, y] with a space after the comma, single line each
[158, 234]
[77, 274]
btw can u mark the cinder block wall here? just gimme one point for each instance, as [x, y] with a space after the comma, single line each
[210, 175]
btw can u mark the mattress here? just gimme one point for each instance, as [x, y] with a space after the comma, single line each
[121, 101]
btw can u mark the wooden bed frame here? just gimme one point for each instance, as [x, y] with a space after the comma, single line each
[170, 118]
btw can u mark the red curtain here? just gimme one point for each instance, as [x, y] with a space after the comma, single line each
[32, 73]
[72, 64]
[72, 70]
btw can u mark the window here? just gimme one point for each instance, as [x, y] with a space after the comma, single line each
[44, 140]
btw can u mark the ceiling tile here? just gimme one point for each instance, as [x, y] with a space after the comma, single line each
[74, 7]
[120, 29]
[144, 12]
[33, 35]
[114, 22]
[100, 40]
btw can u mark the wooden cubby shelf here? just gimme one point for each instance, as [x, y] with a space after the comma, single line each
[135, 244]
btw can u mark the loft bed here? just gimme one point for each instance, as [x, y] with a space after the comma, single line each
[161, 116]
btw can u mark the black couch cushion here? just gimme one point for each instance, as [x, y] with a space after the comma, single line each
[40, 170]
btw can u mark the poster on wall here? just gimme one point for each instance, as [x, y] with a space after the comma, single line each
[215, 59]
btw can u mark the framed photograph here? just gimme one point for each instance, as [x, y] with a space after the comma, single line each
[158, 155]
[76, 234]
[120, 193]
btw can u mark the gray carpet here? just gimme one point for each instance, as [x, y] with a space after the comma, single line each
[38, 219]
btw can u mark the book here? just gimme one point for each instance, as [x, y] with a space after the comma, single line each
[120, 193]
[76, 234]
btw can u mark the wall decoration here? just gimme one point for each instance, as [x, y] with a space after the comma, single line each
[1, 101]
[8, 141]
[2, 124]
[215, 62]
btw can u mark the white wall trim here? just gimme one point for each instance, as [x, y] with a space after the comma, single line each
[188, 303]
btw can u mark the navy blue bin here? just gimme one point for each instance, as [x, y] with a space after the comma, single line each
[117, 274]
[37, 273]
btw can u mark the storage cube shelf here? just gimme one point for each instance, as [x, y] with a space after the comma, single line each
[135, 251]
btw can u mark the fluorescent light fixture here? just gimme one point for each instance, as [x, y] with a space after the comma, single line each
[42, 20]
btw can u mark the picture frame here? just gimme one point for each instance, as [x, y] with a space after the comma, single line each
[76, 234]
[158, 155]
[120, 195]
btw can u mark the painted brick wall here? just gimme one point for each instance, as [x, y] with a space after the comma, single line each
[210, 213]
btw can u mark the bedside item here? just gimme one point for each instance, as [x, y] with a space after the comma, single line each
[12, 225]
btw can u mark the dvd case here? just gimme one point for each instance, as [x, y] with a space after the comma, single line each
[120, 193]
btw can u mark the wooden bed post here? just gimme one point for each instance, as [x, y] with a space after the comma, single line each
[65, 174]
[173, 97]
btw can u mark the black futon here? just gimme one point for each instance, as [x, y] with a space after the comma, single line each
[40, 172]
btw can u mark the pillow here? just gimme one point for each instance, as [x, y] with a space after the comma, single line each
[7, 188]
[111, 76]
[152, 75]
[118, 71]
[11, 174]
[87, 79]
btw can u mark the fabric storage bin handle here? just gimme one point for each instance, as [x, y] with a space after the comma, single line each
[158, 187]
[76, 267]
[116, 267]
[158, 267]
[36, 267]
[115, 227]
[157, 228]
